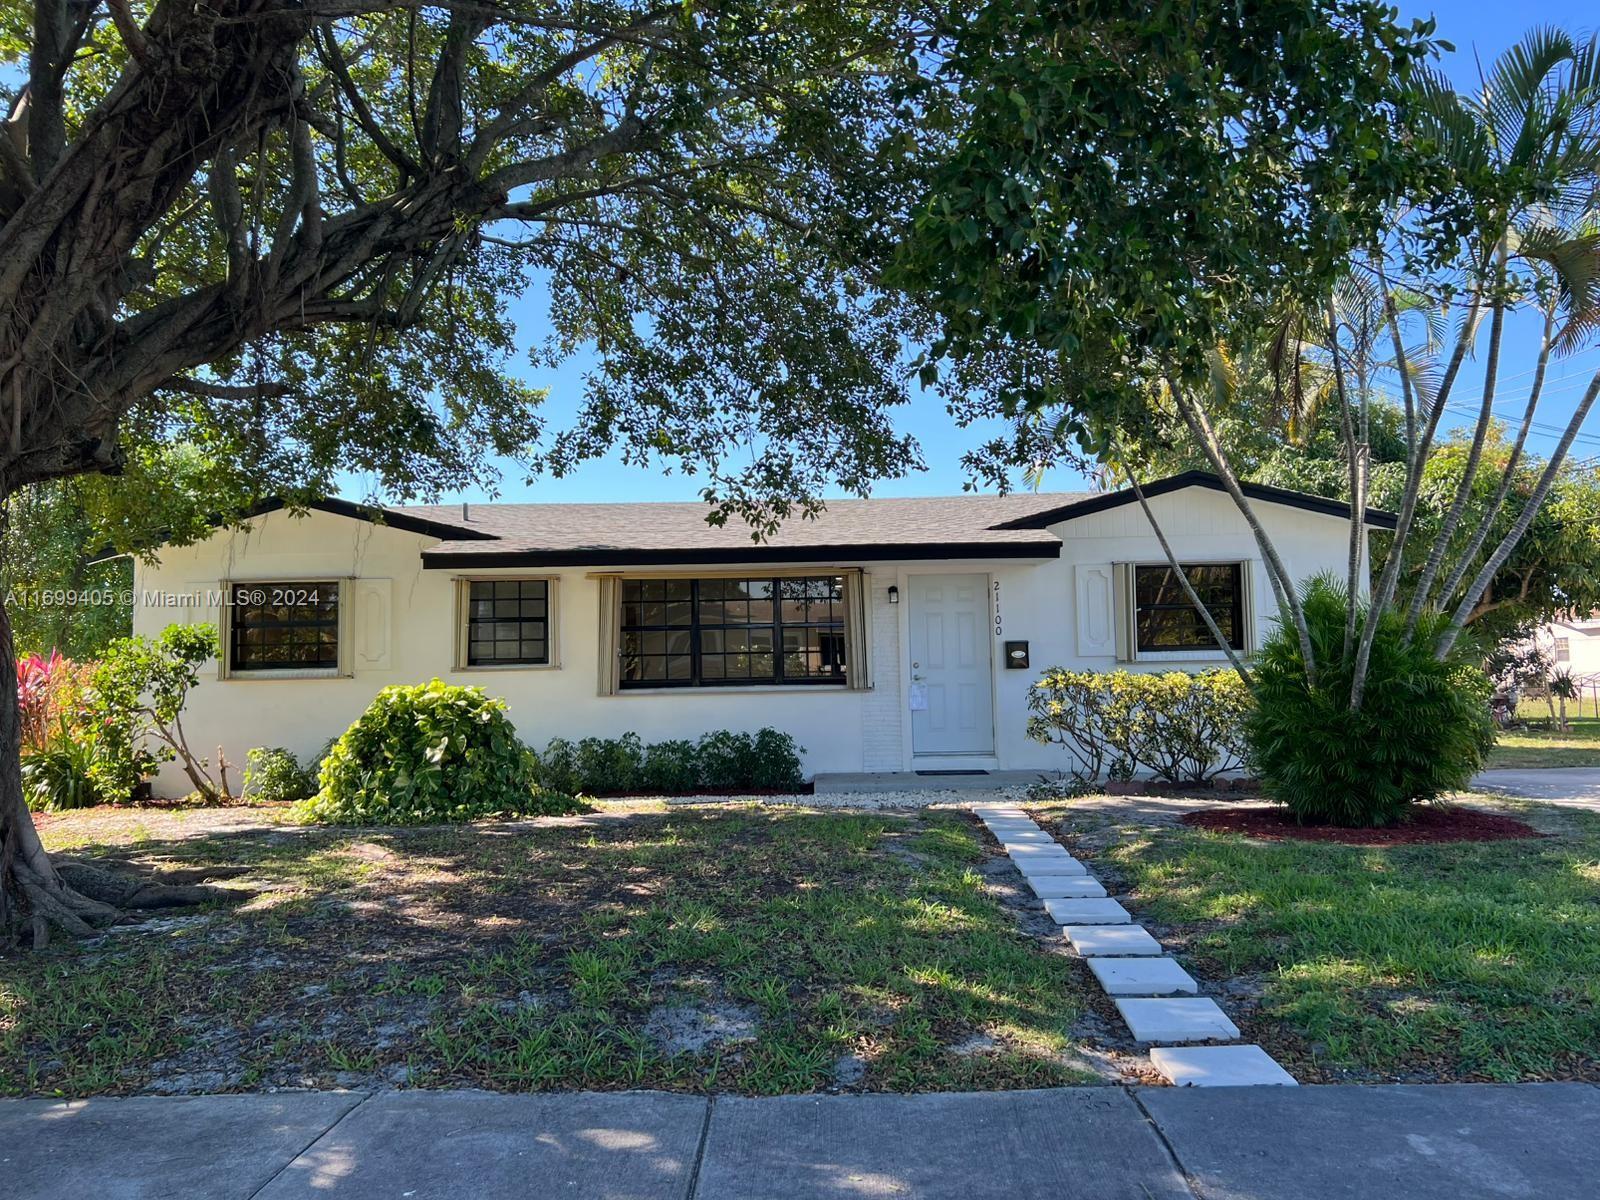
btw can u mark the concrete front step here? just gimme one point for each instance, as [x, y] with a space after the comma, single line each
[1074, 911]
[1112, 941]
[1066, 887]
[1142, 977]
[1220, 1066]
[1182, 1019]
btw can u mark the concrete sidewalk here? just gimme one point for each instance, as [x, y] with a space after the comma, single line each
[1307, 1143]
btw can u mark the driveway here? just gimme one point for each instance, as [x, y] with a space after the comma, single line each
[1575, 787]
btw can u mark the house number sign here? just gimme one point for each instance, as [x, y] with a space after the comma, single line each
[997, 608]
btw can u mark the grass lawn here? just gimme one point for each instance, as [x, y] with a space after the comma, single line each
[1426, 963]
[758, 950]
[1549, 747]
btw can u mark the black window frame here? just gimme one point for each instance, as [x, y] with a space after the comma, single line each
[699, 625]
[1234, 627]
[246, 598]
[468, 663]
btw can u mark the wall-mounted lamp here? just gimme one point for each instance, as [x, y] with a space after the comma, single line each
[894, 594]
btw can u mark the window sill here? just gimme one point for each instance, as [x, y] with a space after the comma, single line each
[1182, 656]
[802, 689]
[472, 668]
[255, 674]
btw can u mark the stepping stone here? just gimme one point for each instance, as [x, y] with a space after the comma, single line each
[1009, 826]
[987, 811]
[1220, 1066]
[1111, 941]
[1050, 849]
[1030, 845]
[1088, 912]
[1184, 1019]
[1062, 887]
[1142, 976]
[1037, 868]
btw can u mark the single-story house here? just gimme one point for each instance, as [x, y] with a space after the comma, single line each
[885, 635]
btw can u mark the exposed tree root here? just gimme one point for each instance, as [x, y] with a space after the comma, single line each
[90, 898]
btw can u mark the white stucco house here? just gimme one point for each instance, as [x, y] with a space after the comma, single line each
[885, 635]
[1573, 644]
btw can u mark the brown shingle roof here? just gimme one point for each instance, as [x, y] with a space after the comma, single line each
[939, 526]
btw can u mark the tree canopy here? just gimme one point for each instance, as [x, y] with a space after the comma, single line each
[290, 233]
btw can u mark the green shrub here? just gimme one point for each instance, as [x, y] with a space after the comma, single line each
[273, 775]
[60, 776]
[609, 764]
[727, 760]
[1182, 728]
[1423, 728]
[558, 767]
[135, 702]
[776, 762]
[427, 753]
[670, 767]
[720, 761]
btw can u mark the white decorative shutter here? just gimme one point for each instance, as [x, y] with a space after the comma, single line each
[1095, 593]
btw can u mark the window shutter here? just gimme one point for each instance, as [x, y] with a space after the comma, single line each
[463, 597]
[1122, 604]
[857, 630]
[224, 627]
[1247, 597]
[610, 625]
[346, 649]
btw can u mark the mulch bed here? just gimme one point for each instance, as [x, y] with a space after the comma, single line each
[1434, 823]
[1159, 787]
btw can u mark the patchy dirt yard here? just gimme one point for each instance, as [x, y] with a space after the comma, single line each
[714, 947]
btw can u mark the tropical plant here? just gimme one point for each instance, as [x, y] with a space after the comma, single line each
[1563, 685]
[429, 753]
[135, 702]
[1043, 230]
[1331, 763]
[60, 775]
[273, 775]
[1182, 728]
[43, 697]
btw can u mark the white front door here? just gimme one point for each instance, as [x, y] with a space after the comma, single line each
[952, 693]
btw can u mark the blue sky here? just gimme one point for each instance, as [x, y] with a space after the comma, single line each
[1480, 29]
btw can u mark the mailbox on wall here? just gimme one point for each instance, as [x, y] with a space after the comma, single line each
[1016, 656]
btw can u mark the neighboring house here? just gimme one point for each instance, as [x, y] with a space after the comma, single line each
[885, 635]
[1573, 644]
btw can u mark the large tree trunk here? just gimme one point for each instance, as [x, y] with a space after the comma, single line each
[33, 896]
[35, 893]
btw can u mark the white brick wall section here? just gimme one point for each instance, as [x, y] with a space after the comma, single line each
[881, 744]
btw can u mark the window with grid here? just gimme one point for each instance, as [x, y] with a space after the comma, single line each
[732, 632]
[1166, 619]
[508, 622]
[284, 626]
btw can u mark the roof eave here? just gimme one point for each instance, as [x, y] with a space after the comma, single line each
[1305, 501]
[435, 560]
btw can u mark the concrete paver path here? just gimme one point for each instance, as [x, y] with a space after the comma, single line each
[1448, 1142]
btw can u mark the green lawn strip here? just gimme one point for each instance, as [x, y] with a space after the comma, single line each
[1449, 962]
[536, 958]
[1523, 748]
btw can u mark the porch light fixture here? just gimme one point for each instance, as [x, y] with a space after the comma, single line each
[894, 594]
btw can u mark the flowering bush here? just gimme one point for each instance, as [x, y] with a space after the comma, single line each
[1181, 728]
